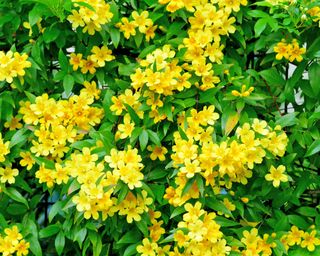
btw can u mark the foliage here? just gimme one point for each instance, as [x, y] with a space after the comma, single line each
[167, 127]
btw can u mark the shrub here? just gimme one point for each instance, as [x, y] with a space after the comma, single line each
[167, 127]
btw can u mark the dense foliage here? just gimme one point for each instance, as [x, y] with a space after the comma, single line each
[170, 127]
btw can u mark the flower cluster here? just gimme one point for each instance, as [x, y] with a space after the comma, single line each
[98, 58]
[133, 206]
[299, 237]
[203, 45]
[199, 234]
[97, 185]
[290, 51]
[141, 21]
[254, 244]
[57, 123]
[196, 153]
[161, 74]
[91, 19]
[13, 242]
[126, 166]
[12, 64]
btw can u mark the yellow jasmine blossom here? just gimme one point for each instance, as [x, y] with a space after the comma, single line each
[7, 174]
[310, 241]
[277, 175]
[157, 152]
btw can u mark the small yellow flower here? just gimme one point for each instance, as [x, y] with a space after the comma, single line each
[157, 152]
[310, 241]
[27, 160]
[7, 175]
[277, 175]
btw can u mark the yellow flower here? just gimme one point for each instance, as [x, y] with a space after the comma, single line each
[128, 28]
[147, 248]
[76, 60]
[244, 92]
[45, 176]
[157, 152]
[294, 236]
[13, 124]
[260, 126]
[4, 149]
[141, 20]
[61, 175]
[22, 248]
[82, 201]
[27, 160]
[7, 175]
[150, 34]
[282, 50]
[76, 19]
[232, 5]
[88, 65]
[13, 234]
[250, 239]
[101, 55]
[310, 241]
[91, 89]
[277, 175]
[190, 168]
[126, 128]
[295, 52]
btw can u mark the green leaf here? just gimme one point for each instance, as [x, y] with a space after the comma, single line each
[59, 242]
[287, 120]
[154, 137]
[115, 36]
[143, 139]
[260, 26]
[177, 211]
[64, 63]
[54, 210]
[307, 211]
[314, 47]
[218, 206]
[35, 246]
[130, 237]
[314, 75]
[95, 239]
[142, 226]
[80, 236]
[314, 148]
[133, 114]
[16, 209]
[272, 77]
[127, 69]
[131, 250]
[138, 38]
[146, 51]
[18, 137]
[298, 221]
[157, 174]
[85, 4]
[49, 231]
[51, 33]
[16, 196]
[68, 82]
[224, 222]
